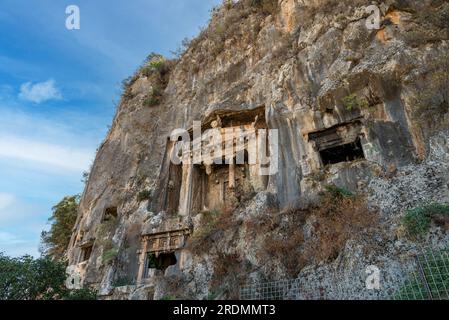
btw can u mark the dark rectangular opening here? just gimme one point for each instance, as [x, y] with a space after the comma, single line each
[110, 213]
[161, 261]
[86, 252]
[343, 153]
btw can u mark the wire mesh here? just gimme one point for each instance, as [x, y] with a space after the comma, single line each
[425, 276]
[276, 290]
[430, 281]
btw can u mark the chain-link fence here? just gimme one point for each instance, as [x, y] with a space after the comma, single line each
[276, 290]
[419, 276]
[430, 279]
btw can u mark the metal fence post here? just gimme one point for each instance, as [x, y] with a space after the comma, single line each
[423, 277]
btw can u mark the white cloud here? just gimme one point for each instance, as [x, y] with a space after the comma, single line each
[39, 92]
[61, 157]
[6, 200]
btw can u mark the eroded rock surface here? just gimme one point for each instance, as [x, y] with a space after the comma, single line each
[349, 104]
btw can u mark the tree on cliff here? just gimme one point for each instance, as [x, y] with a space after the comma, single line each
[26, 278]
[55, 241]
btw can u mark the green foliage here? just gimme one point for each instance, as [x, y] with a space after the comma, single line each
[55, 241]
[417, 221]
[203, 236]
[213, 296]
[266, 6]
[144, 195]
[109, 255]
[26, 278]
[105, 229]
[208, 222]
[228, 4]
[122, 282]
[337, 192]
[154, 97]
[352, 102]
[81, 294]
[155, 64]
[104, 234]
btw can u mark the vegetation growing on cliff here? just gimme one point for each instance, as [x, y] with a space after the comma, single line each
[417, 221]
[105, 232]
[337, 217]
[432, 96]
[55, 241]
[431, 26]
[156, 68]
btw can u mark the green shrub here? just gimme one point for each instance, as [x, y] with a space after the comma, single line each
[154, 97]
[352, 102]
[144, 195]
[105, 229]
[155, 63]
[417, 221]
[81, 294]
[109, 255]
[122, 282]
[212, 224]
[266, 6]
[338, 192]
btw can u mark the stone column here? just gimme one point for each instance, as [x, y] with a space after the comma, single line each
[231, 175]
[186, 190]
[142, 262]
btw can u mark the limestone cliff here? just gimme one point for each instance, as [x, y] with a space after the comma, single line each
[359, 108]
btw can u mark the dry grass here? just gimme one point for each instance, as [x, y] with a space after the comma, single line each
[230, 273]
[431, 25]
[213, 224]
[285, 238]
[337, 219]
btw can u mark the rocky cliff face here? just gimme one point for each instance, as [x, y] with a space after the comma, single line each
[356, 108]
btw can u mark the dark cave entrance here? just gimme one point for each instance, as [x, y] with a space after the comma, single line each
[86, 252]
[110, 213]
[161, 261]
[343, 153]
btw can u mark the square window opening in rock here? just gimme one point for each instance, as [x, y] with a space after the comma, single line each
[110, 213]
[86, 252]
[342, 153]
[161, 261]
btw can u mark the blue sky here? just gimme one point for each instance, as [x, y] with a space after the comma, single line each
[58, 92]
